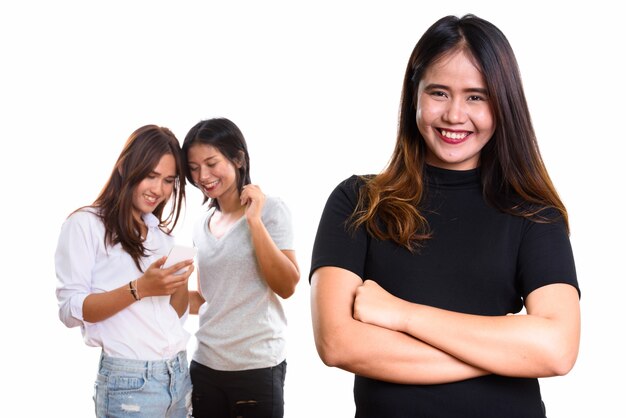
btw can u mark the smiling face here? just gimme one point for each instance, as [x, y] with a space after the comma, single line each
[156, 187]
[453, 112]
[212, 172]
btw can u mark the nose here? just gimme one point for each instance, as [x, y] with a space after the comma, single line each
[204, 173]
[456, 111]
[158, 187]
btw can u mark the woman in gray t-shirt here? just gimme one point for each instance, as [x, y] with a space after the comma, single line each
[246, 263]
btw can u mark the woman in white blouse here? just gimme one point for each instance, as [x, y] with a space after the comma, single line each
[111, 284]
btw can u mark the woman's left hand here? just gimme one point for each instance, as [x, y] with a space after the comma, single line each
[374, 305]
[254, 199]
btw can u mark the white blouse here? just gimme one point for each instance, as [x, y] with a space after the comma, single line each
[149, 329]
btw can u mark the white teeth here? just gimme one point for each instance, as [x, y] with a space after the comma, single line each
[453, 135]
[150, 198]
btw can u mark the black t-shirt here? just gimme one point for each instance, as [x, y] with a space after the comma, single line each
[479, 261]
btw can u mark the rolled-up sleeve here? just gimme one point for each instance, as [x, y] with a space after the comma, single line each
[74, 260]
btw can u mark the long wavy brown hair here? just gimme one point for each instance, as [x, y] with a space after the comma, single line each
[139, 157]
[513, 175]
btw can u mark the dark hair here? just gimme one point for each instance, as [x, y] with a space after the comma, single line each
[141, 154]
[227, 138]
[513, 174]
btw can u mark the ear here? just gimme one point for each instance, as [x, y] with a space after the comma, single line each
[240, 159]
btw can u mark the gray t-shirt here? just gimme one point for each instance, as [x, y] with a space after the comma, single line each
[242, 323]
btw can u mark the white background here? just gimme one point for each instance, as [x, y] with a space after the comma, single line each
[315, 88]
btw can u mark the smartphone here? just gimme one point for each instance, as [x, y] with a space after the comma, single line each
[177, 254]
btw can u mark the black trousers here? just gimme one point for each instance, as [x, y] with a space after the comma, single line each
[256, 393]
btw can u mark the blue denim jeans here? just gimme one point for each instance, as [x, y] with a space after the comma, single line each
[136, 388]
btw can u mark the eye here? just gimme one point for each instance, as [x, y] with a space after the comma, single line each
[438, 93]
[476, 98]
[193, 168]
[170, 180]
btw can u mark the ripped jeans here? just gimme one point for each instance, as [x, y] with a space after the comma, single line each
[137, 388]
[256, 393]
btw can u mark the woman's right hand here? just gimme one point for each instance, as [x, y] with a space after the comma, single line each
[157, 281]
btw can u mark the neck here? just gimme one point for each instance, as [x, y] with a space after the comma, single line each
[231, 205]
[143, 229]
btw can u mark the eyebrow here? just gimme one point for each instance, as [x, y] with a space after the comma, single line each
[205, 160]
[434, 86]
[159, 174]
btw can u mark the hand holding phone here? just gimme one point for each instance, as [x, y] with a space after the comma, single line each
[177, 254]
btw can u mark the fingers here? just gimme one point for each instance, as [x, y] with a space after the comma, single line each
[173, 281]
[250, 193]
[175, 268]
[157, 281]
[254, 199]
[157, 264]
[252, 188]
[183, 276]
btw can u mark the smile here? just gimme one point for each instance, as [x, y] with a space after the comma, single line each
[150, 199]
[453, 137]
[209, 186]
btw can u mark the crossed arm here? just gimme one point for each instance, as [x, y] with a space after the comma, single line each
[361, 328]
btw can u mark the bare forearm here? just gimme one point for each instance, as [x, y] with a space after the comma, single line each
[279, 271]
[391, 356]
[502, 345]
[180, 300]
[531, 345]
[195, 301]
[370, 350]
[154, 282]
[100, 306]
